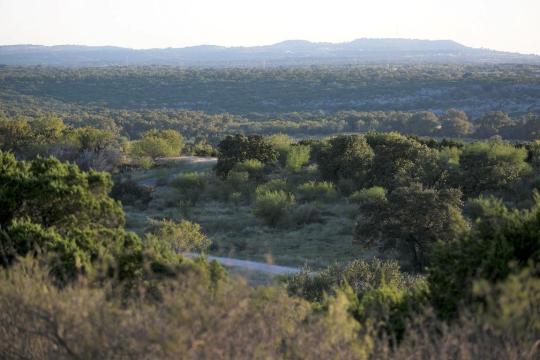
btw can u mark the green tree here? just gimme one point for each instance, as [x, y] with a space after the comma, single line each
[47, 130]
[455, 123]
[48, 206]
[345, 157]
[399, 160]
[272, 206]
[15, 135]
[238, 148]
[501, 242]
[180, 236]
[490, 123]
[423, 123]
[159, 143]
[253, 167]
[297, 156]
[281, 143]
[490, 166]
[92, 139]
[410, 219]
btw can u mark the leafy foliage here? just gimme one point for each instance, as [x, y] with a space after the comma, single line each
[491, 166]
[346, 156]
[233, 150]
[155, 144]
[412, 219]
[321, 191]
[182, 236]
[501, 242]
[190, 185]
[271, 206]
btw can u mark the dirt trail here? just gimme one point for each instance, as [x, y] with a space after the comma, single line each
[225, 261]
[251, 265]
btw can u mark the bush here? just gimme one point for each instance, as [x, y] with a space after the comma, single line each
[297, 156]
[238, 148]
[197, 317]
[131, 193]
[281, 143]
[184, 236]
[272, 206]
[203, 148]
[345, 157]
[253, 167]
[272, 185]
[190, 185]
[155, 144]
[383, 294]
[411, 220]
[491, 167]
[373, 194]
[501, 242]
[312, 190]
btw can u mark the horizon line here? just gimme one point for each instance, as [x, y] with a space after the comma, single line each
[267, 44]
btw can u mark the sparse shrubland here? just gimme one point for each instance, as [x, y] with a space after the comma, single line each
[413, 247]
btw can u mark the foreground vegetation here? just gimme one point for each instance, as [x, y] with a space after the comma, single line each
[417, 235]
[414, 246]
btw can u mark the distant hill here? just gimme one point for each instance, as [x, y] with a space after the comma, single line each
[291, 52]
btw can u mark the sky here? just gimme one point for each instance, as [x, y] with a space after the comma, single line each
[508, 25]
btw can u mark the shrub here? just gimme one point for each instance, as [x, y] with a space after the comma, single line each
[190, 186]
[252, 166]
[513, 305]
[237, 181]
[182, 236]
[131, 193]
[203, 148]
[197, 317]
[410, 219]
[272, 185]
[491, 167]
[306, 214]
[313, 190]
[272, 206]
[383, 294]
[281, 143]
[297, 156]
[155, 144]
[373, 194]
[345, 157]
[501, 242]
[238, 148]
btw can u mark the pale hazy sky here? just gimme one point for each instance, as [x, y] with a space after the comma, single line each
[511, 25]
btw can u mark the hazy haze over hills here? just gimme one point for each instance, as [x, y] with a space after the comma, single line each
[290, 52]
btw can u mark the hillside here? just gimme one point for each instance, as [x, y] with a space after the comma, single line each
[287, 53]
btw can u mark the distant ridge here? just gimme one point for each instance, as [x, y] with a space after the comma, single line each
[286, 53]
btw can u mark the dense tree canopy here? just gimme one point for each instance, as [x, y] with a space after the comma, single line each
[346, 157]
[501, 242]
[238, 148]
[491, 166]
[411, 219]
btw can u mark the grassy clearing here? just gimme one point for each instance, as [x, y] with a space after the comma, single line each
[235, 232]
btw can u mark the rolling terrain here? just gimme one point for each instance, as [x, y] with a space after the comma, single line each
[286, 53]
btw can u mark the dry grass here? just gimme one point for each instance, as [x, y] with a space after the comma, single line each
[233, 321]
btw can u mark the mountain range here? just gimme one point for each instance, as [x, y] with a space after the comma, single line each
[286, 53]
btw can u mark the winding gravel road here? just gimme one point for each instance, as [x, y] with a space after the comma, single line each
[225, 261]
[250, 265]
